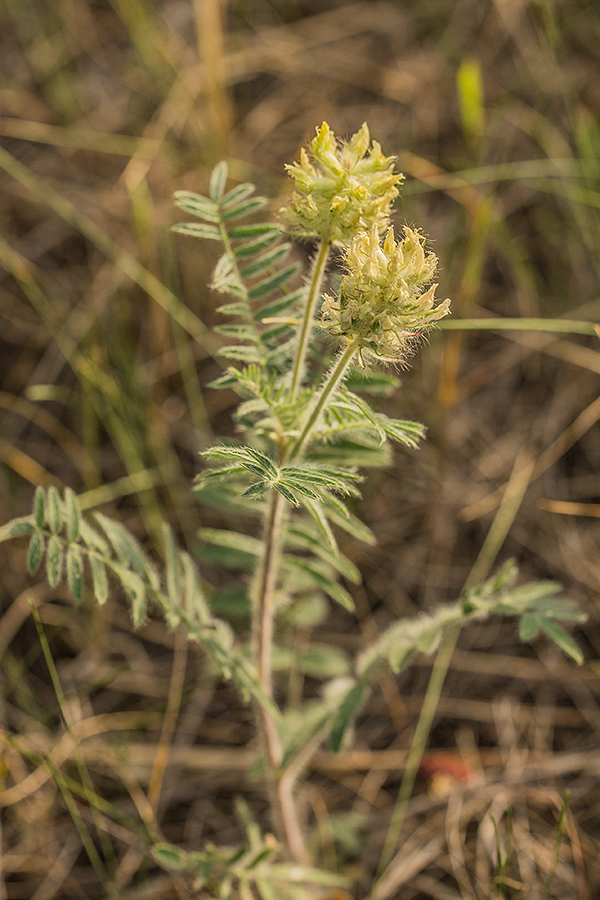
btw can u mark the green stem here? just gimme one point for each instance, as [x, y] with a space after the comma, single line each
[307, 319]
[332, 381]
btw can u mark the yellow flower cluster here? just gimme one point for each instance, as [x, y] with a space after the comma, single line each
[341, 189]
[384, 303]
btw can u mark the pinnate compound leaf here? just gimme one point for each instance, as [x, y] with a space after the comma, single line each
[344, 715]
[35, 551]
[39, 507]
[54, 560]
[75, 571]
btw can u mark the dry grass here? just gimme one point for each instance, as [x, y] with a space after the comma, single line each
[113, 737]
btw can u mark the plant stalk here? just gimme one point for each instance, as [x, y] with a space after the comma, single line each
[307, 319]
[332, 381]
[280, 787]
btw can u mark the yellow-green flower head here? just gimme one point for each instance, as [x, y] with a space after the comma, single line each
[384, 301]
[341, 189]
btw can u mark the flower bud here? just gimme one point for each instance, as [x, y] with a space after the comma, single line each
[341, 189]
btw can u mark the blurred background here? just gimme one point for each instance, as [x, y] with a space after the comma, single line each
[492, 108]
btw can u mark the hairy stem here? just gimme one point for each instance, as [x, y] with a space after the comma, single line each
[333, 379]
[307, 319]
[280, 787]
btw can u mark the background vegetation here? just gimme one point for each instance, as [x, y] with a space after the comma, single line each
[112, 736]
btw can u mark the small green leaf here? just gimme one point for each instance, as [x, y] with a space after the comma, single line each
[245, 208]
[19, 527]
[285, 492]
[72, 515]
[170, 856]
[218, 179]
[39, 507]
[344, 715]
[197, 206]
[252, 231]
[75, 571]
[200, 230]
[266, 261]
[172, 565]
[562, 640]
[54, 510]
[529, 627]
[54, 560]
[251, 248]
[269, 285]
[237, 194]
[35, 551]
[99, 579]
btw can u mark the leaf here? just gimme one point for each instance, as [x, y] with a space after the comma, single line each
[54, 511]
[237, 194]
[54, 560]
[529, 628]
[171, 856]
[198, 230]
[99, 579]
[345, 714]
[35, 551]
[39, 507]
[323, 661]
[280, 305]
[269, 285]
[245, 208]
[197, 206]
[172, 565]
[218, 179]
[128, 550]
[232, 540]
[325, 582]
[285, 492]
[562, 640]
[134, 586]
[17, 527]
[302, 536]
[194, 599]
[243, 354]
[266, 261]
[72, 515]
[75, 571]
[251, 248]
[252, 231]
